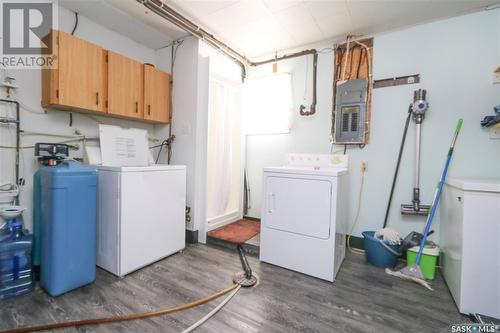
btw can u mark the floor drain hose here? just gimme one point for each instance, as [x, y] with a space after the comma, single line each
[211, 313]
[135, 316]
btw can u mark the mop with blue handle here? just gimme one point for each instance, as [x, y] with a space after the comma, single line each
[413, 272]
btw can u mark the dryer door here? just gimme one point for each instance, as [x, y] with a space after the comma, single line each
[298, 205]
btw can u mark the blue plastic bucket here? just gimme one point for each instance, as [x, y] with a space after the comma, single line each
[378, 254]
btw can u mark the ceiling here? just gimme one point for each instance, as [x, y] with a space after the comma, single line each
[129, 18]
[257, 27]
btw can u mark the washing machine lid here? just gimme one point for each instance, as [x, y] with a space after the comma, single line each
[156, 167]
[308, 170]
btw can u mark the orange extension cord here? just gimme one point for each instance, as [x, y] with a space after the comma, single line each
[133, 316]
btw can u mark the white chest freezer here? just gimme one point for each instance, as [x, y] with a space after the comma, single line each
[141, 215]
[470, 242]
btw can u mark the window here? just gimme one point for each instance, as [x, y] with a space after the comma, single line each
[267, 104]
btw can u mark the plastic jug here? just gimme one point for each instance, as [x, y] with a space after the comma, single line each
[16, 276]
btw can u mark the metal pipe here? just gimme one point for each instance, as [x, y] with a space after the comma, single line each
[171, 15]
[244, 262]
[312, 109]
[18, 139]
[284, 57]
[170, 117]
[417, 157]
[168, 13]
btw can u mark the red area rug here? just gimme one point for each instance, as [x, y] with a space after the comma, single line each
[237, 232]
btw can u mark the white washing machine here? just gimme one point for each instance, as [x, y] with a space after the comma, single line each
[304, 214]
[141, 215]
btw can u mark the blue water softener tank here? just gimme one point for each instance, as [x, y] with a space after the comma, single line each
[16, 276]
[68, 206]
[37, 221]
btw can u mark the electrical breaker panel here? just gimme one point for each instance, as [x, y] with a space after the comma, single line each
[350, 112]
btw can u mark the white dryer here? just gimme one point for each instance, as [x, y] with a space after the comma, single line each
[303, 219]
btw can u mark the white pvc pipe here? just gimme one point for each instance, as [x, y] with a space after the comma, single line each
[211, 313]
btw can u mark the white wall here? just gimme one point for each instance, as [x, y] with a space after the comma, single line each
[190, 105]
[57, 122]
[455, 58]
[192, 67]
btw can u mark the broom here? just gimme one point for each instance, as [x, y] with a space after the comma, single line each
[413, 272]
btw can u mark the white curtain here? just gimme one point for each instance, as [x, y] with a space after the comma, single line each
[223, 151]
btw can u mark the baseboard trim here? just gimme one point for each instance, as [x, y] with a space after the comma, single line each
[223, 220]
[256, 219]
[192, 236]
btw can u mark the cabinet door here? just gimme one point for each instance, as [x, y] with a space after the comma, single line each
[156, 94]
[81, 74]
[125, 86]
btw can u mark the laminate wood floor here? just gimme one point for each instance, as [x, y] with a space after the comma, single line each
[362, 299]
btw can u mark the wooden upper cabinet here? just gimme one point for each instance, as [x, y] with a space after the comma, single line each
[87, 77]
[79, 81]
[156, 95]
[125, 86]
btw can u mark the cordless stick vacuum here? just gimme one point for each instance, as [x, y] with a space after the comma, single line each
[419, 107]
[414, 272]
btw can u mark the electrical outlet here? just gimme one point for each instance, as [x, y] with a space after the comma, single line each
[496, 75]
[495, 132]
[496, 78]
[364, 166]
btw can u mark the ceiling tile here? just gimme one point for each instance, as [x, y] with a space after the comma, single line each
[200, 8]
[234, 16]
[257, 27]
[367, 15]
[278, 5]
[259, 37]
[334, 26]
[299, 24]
[330, 8]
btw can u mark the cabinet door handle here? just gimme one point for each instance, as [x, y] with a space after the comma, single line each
[136, 107]
[149, 109]
[97, 98]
